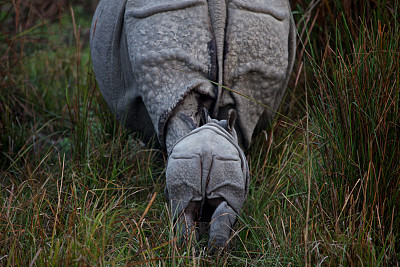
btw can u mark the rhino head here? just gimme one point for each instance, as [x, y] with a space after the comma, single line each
[207, 179]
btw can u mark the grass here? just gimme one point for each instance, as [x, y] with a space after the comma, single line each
[77, 189]
[358, 135]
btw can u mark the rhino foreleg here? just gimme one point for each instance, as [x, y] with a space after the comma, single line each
[185, 118]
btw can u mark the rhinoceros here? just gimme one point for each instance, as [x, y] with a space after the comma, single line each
[160, 65]
[207, 168]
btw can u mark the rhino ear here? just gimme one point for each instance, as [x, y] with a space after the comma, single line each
[204, 117]
[231, 119]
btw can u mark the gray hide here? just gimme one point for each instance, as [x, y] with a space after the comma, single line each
[156, 61]
[207, 165]
[148, 56]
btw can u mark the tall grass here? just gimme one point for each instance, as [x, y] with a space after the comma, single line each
[78, 189]
[357, 125]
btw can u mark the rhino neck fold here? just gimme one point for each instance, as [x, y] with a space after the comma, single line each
[184, 119]
[218, 14]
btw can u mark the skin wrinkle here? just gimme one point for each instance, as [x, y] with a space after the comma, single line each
[171, 46]
[153, 59]
[204, 184]
[221, 131]
[257, 67]
[218, 14]
[190, 122]
[182, 119]
[276, 13]
[143, 12]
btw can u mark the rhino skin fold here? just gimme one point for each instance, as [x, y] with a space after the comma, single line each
[161, 65]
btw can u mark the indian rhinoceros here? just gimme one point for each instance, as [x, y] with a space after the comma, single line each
[160, 64]
[207, 168]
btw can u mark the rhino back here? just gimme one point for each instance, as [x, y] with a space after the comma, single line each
[206, 143]
[206, 164]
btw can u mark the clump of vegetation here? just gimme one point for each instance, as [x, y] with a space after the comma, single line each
[76, 188]
[356, 121]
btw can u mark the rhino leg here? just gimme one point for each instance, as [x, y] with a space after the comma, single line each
[185, 224]
[185, 118]
[217, 9]
[221, 224]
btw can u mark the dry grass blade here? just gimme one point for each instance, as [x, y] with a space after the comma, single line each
[77, 189]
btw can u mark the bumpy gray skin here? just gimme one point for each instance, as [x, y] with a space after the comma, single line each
[154, 62]
[149, 56]
[207, 165]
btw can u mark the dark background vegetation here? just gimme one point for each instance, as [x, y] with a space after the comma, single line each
[76, 188]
